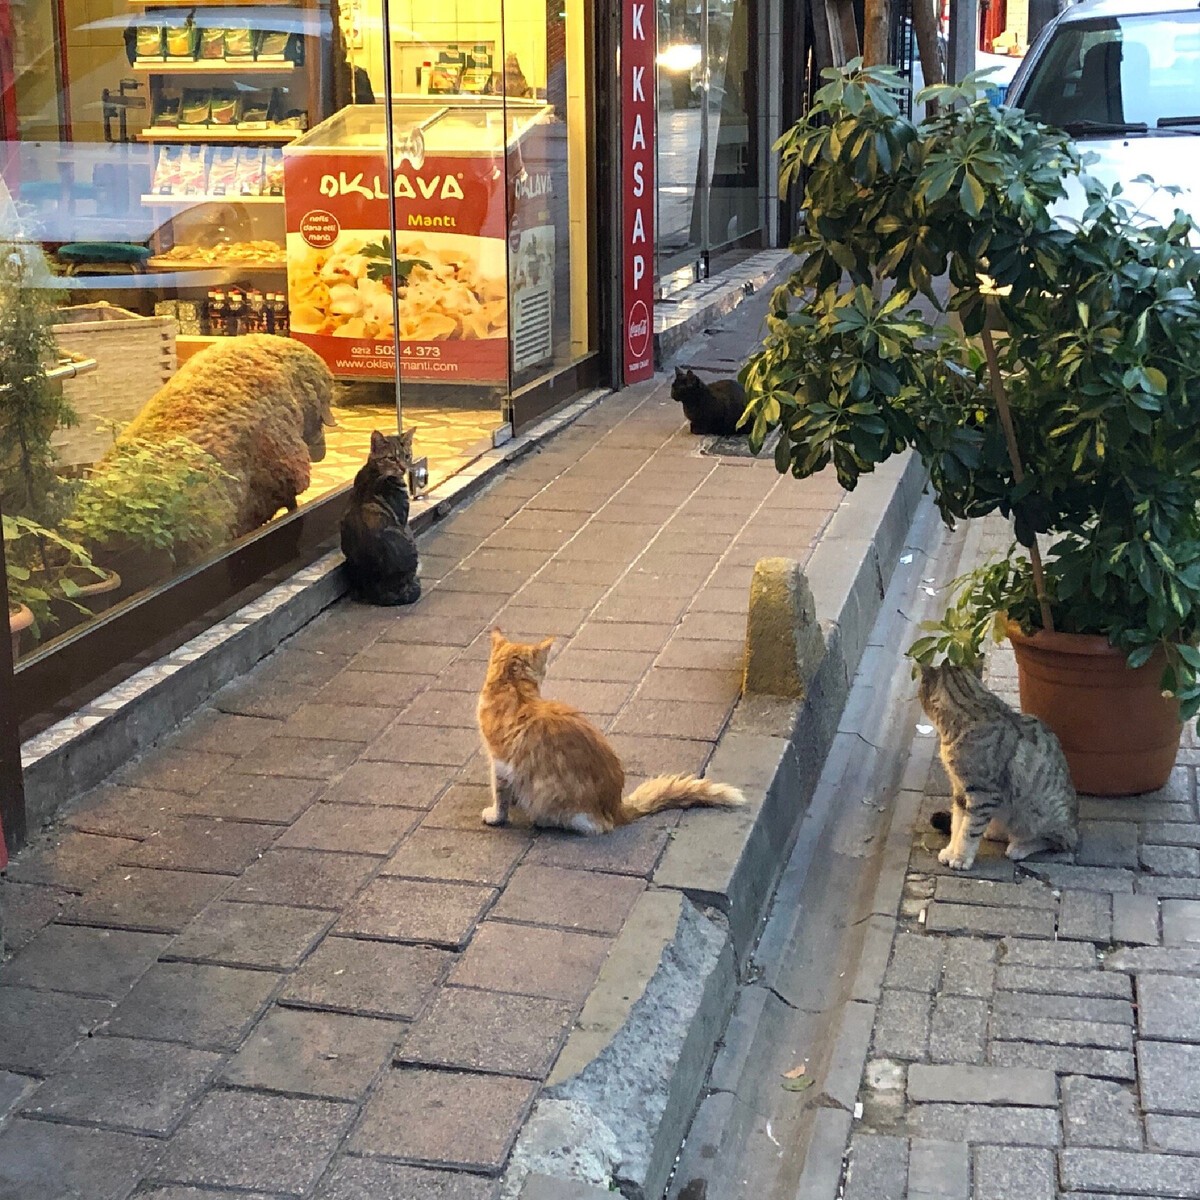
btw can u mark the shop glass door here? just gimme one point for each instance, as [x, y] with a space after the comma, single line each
[709, 194]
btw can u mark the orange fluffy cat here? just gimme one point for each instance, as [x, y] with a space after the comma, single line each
[551, 763]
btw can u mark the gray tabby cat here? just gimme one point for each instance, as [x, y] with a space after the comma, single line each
[1008, 772]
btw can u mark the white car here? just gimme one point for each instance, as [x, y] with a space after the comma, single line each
[1122, 77]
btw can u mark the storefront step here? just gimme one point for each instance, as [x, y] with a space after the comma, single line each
[83, 749]
[687, 313]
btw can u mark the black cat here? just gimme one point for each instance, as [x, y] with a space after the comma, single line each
[381, 554]
[710, 407]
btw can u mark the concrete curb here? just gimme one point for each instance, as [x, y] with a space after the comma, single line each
[629, 1077]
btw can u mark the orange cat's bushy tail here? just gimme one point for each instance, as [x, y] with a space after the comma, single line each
[678, 791]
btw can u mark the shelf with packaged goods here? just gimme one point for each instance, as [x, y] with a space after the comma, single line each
[246, 266]
[196, 201]
[215, 66]
[217, 133]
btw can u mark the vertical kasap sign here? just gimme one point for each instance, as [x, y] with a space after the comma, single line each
[638, 39]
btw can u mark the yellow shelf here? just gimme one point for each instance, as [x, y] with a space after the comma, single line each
[211, 3]
[215, 66]
[217, 133]
[191, 201]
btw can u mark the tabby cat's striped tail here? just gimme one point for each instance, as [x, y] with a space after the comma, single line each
[678, 791]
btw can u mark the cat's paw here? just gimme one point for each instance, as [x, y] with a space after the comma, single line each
[954, 860]
[493, 816]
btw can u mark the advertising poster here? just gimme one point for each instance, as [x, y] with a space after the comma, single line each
[451, 228]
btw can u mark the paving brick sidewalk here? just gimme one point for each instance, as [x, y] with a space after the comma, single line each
[1038, 1034]
[281, 955]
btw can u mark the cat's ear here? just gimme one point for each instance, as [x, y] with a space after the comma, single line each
[541, 654]
[679, 373]
[378, 442]
[406, 439]
[498, 639]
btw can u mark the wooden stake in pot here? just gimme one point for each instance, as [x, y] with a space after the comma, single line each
[1014, 456]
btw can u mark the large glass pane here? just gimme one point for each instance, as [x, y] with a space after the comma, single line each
[154, 407]
[681, 93]
[734, 207]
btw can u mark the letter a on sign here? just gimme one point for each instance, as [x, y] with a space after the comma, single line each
[637, 188]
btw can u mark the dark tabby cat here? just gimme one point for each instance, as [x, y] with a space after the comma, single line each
[381, 555]
[1007, 770]
[710, 407]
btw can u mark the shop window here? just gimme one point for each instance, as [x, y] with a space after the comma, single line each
[178, 177]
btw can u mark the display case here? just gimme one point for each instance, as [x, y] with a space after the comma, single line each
[229, 83]
[474, 239]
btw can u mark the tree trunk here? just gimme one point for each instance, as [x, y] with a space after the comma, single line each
[925, 26]
[876, 23]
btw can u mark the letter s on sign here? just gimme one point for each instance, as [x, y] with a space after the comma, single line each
[639, 178]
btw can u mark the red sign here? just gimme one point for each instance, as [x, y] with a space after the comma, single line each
[453, 296]
[638, 41]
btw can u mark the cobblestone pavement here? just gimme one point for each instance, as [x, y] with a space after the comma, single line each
[280, 956]
[1038, 1033]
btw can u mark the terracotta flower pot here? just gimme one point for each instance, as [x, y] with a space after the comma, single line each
[19, 619]
[1118, 731]
[96, 596]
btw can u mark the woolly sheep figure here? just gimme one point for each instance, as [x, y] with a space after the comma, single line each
[258, 404]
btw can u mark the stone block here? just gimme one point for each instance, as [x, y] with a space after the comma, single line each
[969, 968]
[784, 644]
[1169, 1008]
[1021, 952]
[1023, 1027]
[367, 978]
[489, 1031]
[70, 859]
[954, 889]
[251, 935]
[916, 963]
[1169, 1076]
[313, 1054]
[978, 920]
[352, 1178]
[313, 878]
[958, 1032]
[939, 1170]
[1086, 879]
[1066, 1060]
[1002, 1172]
[349, 829]
[266, 799]
[632, 850]
[172, 770]
[444, 1118]
[250, 1140]
[902, 1025]
[532, 961]
[986, 1124]
[1135, 920]
[380, 783]
[300, 758]
[103, 963]
[877, 1168]
[204, 1006]
[480, 855]
[41, 1160]
[123, 1084]
[1181, 922]
[583, 900]
[1107, 844]
[340, 721]
[1099, 1112]
[1121, 1171]
[1183, 861]
[409, 910]
[1086, 916]
[1171, 833]
[1063, 981]
[958, 1084]
[38, 1028]
[151, 901]
[1180, 1135]
[1063, 1007]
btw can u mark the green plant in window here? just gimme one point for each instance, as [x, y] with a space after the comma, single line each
[42, 566]
[171, 497]
[32, 407]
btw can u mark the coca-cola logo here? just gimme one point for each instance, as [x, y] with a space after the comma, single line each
[638, 329]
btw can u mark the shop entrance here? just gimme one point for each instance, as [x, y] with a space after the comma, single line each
[709, 188]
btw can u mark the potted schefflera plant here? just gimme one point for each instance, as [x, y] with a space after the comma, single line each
[1042, 368]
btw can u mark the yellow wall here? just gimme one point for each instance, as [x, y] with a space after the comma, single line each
[96, 60]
